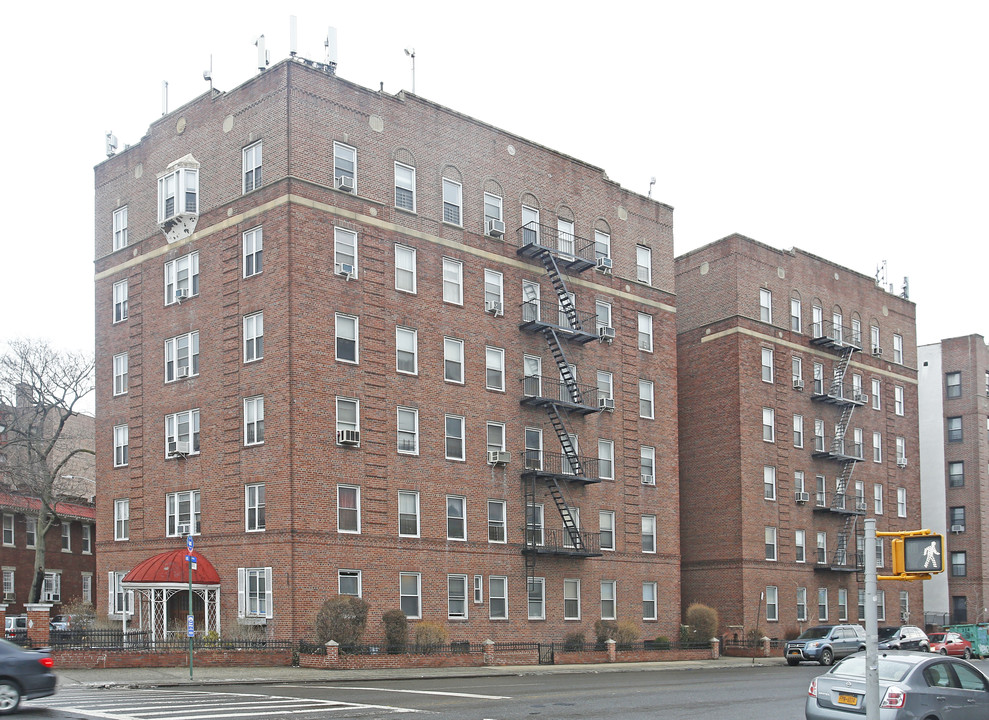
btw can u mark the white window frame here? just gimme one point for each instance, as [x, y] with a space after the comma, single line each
[877, 498]
[606, 525]
[494, 368]
[772, 546]
[647, 399]
[175, 358]
[345, 250]
[411, 512]
[121, 603]
[648, 523]
[406, 271]
[254, 507]
[796, 319]
[178, 185]
[340, 151]
[52, 589]
[447, 437]
[8, 530]
[348, 575]
[606, 459]
[120, 228]
[537, 598]
[798, 431]
[767, 365]
[121, 519]
[495, 436]
[801, 604]
[645, 332]
[769, 425]
[254, 420]
[650, 600]
[182, 273]
[876, 394]
[253, 251]
[456, 597]
[897, 349]
[405, 334]
[121, 445]
[349, 514]
[800, 546]
[120, 310]
[571, 598]
[87, 539]
[453, 281]
[341, 424]
[772, 603]
[252, 163]
[173, 513]
[609, 599]
[346, 330]
[254, 337]
[822, 604]
[453, 502]
[765, 305]
[453, 202]
[174, 432]
[901, 502]
[405, 180]
[769, 482]
[410, 586]
[899, 400]
[498, 528]
[498, 597]
[407, 430]
[647, 461]
[643, 264]
[254, 593]
[453, 361]
[494, 288]
[494, 201]
[87, 587]
[877, 447]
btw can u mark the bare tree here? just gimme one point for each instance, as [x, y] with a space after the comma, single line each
[41, 391]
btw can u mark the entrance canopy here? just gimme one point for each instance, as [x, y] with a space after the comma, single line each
[170, 568]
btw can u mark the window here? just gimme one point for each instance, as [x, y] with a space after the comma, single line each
[897, 349]
[406, 350]
[571, 599]
[253, 252]
[31, 532]
[537, 598]
[795, 315]
[52, 592]
[958, 564]
[253, 337]
[454, 436]
[405, 187]
[453, 201]
[606, 459]
[880, 552]
[254, 420]
[349, 582]
[877, 447]
[820, 492]
[901, 502]
[182, 356]
[880, 605]
[496, 521]
[531, 310]
[495, 436]
[533, 448]
[877, 498]
[254, 592]
[647, 464]
[8, 584]
[956, 474]
[605, 385]
[648, 533]
[498, 597]
[954, 429]
[120, 228]
[857, 443]
[798, 431]
[254, 507]
[405, 269]
[959, 609]
[492, 207]
[767, 365]
[822, 548]
[534, 524]
[182, 511]
[456, 594]
[121, 519]
[769, 424]
[347, 338]
[606, 525]
[345, 166]
[953, 384]
[121, 601]
[120, 301]
[901, 451]
[182, 278]
[494, 292]
[857, 331]
[121, 445]
[837, 329]
[643, 264]
[956, 517]
[765, 305]
[456, 517]
[182, 427]
[252, 167]
[344, 252]
[408, 431]
[822, 604]
[178, 193]
[798, 481]
[898, 399]
[800, 545]
[8, 530]
[87, 539]
[453, 281]
[876, 394]
[769, 482]
[530, 225]
[817, 320]
[87, 588]
[608, 593]
[842, 605]
[818, 379]
[874, 339]
[348, 416]
[602, 246]
[646, 399]
[798, 371]
[645, 332]
[563, 320]
[801, 604]
[649, 595]
[408, 514]
[772, 603]
[771, 543]
[494, 359]
[349, 508]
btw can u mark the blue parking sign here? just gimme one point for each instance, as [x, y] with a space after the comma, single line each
[188, 543]
[191, 625]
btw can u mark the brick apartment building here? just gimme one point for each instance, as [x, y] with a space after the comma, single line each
[954, 453]
[359, 343]
[798, 417]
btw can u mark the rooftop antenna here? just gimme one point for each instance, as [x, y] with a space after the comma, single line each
[881, 274]
[208, 74]
[111, 144]
[411, 52]
[331, 46]
[263, 55]
[293, 35]
[652, 181]
[906, 288]
[164, 97]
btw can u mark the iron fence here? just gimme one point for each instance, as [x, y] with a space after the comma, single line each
[141, 640]
[454, 648]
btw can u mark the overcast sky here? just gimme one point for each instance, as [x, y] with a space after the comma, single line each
[853, 130]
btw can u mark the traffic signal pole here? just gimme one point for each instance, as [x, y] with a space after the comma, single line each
[871, 624]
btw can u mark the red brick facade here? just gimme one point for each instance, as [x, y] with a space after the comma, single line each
[727, 455]
[297, 113]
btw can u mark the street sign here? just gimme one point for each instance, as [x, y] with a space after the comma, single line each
[191, 558]
[188, 543]
[190, 625]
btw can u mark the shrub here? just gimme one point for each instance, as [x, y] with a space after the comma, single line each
[626, 633]
[703, 622]
[342, 619]
[791, 634]
[396, 630]
[430, 636]
[754, 636]
[573, 642]
[662, 643]
[605, 630]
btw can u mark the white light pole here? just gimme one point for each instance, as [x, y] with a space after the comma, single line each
[871, 624]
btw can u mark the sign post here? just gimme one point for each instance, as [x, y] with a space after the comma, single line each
[190, 620]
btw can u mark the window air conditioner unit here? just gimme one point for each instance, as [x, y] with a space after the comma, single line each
[184, 528]
[499, 457]
[181, 294]
[8, 597]
[648, 479]
[494, 228]
[494, 307]
[345, 269]
[605, 264]
[957, 528]
[802, 497]
[606, 403]
[178, 447]
[901, 462]
[606, 333]
[877, 351]
[344, 183]
[861, 505]
[349, 437]
[798, 383]
[182, 372]
[861, 397]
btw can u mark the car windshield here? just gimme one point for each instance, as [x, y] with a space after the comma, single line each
[936, 637]
[890, 669]
[814, 633]
[885, 633]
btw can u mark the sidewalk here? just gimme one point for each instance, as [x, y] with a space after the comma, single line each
[179, 676]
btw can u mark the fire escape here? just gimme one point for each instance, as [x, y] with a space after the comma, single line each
[848, 507]
[561, 397]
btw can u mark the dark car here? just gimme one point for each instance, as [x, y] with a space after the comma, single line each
[903, 637]
[912, 686]
[24, 674]
[825, 643]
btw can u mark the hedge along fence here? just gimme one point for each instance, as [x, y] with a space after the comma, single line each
[204, 657]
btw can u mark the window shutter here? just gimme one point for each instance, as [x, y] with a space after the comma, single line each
[241, 592]
[129, 600]
[267, 593]
[110, 584]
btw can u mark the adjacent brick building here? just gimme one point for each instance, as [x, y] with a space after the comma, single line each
[798, 417]
[954, 447]
[324, 316]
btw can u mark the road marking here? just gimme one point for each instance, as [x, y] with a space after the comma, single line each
[421, 692]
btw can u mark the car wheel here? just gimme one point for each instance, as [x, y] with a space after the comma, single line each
[827, 657]
[10, 697]
[944, 651]
[925, 648]
[967, 654]
[792, 661]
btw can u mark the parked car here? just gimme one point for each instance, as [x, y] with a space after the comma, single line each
[912, 685]
[15, 626]
[950, 643]
[24, 674]
[903, 637]
[825, 643]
